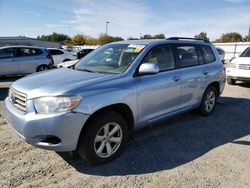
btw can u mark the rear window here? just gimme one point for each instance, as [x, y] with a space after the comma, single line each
[207, 53]
[29, 52]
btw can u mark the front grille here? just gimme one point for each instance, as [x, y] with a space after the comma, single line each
[18, 99]
[244, 66]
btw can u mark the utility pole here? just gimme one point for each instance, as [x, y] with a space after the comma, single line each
[107, 28]
[248, 34]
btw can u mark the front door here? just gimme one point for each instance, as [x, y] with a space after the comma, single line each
[158, 94]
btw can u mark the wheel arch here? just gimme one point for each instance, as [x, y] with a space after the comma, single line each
[120, 108]
[40, 66]
[215, 84]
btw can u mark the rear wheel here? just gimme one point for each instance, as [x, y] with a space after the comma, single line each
[208, 102]
[102, 141]
[42, 68]
[231, 81]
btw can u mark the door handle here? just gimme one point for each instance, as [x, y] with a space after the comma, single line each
[205, 72]
[176, 78]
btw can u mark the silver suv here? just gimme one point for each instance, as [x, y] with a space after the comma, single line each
[18, 60]
[118, 88]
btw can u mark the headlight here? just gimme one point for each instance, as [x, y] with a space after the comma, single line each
[45, 105]
[231, 65]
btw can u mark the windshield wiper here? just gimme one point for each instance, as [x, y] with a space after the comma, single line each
[87, 70]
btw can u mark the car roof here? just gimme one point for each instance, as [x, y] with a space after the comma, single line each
[158, 41]
[140, 42]
[21, 46]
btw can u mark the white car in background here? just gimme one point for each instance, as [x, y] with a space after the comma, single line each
[60, 55]
[68, 64]
[239, 68]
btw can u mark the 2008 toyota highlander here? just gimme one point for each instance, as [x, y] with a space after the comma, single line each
[117, 88]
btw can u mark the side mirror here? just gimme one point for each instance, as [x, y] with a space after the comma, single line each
[148, 68]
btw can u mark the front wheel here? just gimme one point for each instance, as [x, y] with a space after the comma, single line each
[231, 81]
[208, 102]
[103, 139]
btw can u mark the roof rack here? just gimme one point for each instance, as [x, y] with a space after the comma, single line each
[186, 38]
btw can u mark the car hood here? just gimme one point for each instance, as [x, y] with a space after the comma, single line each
[57, 82]
[241, 60]
[68, 63]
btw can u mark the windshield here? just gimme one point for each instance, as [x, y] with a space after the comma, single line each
[246, 53]
[111, 58]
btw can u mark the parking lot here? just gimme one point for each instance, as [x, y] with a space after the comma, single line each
[184, 151]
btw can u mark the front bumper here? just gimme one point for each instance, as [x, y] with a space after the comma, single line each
[238, 74]
[34, 128]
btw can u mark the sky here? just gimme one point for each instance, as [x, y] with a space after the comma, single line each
[127, 18]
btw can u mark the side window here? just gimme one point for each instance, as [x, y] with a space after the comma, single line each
[29, 52]
[187, 56]
[7, 53]
[38, 52]
[56, 52]
[207, 53]
[163, 56]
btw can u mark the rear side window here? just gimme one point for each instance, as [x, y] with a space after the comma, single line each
[207, 53]
[187, 56]
[163, 56]
[7, 53]
[56, 52]
[29, 52]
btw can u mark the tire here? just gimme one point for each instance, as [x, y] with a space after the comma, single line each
[209, 101]
[95, 147]
[42, 68]
[231, 81]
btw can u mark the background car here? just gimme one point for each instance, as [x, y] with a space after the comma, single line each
[60, 55]
[239, 68]
[221, 53]
[83, 52]
[68, 64]
[18, 60]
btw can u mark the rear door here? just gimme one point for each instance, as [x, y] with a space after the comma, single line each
[8, 65]
[192, 74]
[158, 94]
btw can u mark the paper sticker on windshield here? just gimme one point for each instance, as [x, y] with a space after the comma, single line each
[136, 48]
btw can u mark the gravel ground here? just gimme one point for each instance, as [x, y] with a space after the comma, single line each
[184, 151]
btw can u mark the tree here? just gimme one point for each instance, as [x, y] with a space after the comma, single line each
[104, 39]
[230, 37]
[157, 36]
[79, 39]
[132, 38]
[147, 36]
[202, 35]
[54, 37]
[91, 41]
[246, 38]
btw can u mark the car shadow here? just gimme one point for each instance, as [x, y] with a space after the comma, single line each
[243, 84]
[5, 83]
[9, 78]
[176, 141]
[3, 93]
